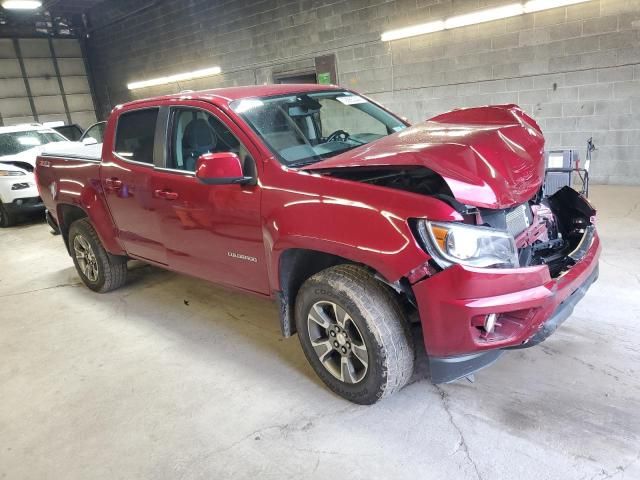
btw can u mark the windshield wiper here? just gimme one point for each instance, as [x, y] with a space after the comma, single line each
[302, 163]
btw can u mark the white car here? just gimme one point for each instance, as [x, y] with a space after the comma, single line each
[19, 147]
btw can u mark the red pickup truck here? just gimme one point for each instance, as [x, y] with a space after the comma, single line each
[357, 223]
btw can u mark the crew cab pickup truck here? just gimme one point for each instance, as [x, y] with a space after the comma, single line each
[355, 222]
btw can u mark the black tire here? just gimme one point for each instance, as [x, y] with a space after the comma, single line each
[108, 271]
[379, 323]
[6, 218]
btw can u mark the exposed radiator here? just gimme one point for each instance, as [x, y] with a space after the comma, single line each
[518, 219]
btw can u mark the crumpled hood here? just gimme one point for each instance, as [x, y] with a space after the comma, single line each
[489, 156]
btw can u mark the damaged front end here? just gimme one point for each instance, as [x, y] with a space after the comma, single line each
[514, 264]
[502, 278]
[535, 271]
[552, 231]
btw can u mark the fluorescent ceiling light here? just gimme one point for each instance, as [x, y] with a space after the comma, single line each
[413, 31]
[21, 4]
[538, 5]
[474, 18]
[484, 16]
[179, 77]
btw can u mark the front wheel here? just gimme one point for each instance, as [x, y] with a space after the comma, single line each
[6, 219]
[98, 269]
[354, 334]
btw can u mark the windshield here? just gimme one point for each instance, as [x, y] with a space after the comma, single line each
[16, 142]
[306, 128]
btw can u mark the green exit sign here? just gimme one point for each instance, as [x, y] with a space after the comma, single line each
[324, 78]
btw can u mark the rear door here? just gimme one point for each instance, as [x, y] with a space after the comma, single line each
[126, 175]
[211, 231]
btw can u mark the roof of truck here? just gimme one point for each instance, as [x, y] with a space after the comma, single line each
[227, 95]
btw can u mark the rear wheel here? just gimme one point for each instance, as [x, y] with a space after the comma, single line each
[354, 334]
[6, 218]
[98, 269]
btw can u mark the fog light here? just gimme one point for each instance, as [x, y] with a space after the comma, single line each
[490, 322]
[18, 202]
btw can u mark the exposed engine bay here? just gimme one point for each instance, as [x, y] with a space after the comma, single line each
[547, 231]
[419, 180]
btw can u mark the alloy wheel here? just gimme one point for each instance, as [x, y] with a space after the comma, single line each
[338, 342]
[86, 258]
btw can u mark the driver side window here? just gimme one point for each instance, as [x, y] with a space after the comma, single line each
[196, 132]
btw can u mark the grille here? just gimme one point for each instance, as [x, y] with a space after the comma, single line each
[518, 219]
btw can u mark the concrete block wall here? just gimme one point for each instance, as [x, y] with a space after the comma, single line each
[575, 69]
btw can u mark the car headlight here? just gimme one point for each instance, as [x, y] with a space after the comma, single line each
[10, 173]
[450, 243]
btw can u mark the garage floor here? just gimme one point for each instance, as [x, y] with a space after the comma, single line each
[171, 377]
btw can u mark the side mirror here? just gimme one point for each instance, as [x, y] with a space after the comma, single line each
[222, 168]
[89, 141]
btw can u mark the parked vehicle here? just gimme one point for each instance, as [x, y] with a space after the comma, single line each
[93, 134]
[71, 131]
[354, 221]
[19, 147]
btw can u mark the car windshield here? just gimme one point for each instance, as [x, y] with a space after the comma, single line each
[16, 142]
[305, 128]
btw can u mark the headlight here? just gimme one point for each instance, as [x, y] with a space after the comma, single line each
[450, 243]
[10, 173]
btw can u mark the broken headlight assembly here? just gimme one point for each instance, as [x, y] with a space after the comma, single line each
[451, 242]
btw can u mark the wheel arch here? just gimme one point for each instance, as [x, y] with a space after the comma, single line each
[67, 214]
[100, 219]
[295, 265]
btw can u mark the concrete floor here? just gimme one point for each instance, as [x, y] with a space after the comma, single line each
[171, 377]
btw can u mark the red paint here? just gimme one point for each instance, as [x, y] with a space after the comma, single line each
[494, 164]
[450, 300]
[218, 166]
[235, 234]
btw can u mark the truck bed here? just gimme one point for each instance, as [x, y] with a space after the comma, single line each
[67, 178]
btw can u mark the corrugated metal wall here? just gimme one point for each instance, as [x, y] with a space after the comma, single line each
[44, 80]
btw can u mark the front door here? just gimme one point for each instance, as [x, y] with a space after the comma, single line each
[211, 231]
[126, 174]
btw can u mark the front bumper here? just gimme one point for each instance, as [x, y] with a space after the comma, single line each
[18, 191]
[529, 303]
[24, 205]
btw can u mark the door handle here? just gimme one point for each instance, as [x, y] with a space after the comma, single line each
[166, 194]
[113, 183]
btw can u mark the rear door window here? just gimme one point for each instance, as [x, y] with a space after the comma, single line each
[135, 135]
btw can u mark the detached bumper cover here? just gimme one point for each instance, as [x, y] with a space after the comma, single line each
[449, 369]
[529, 303]
[564, 311]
